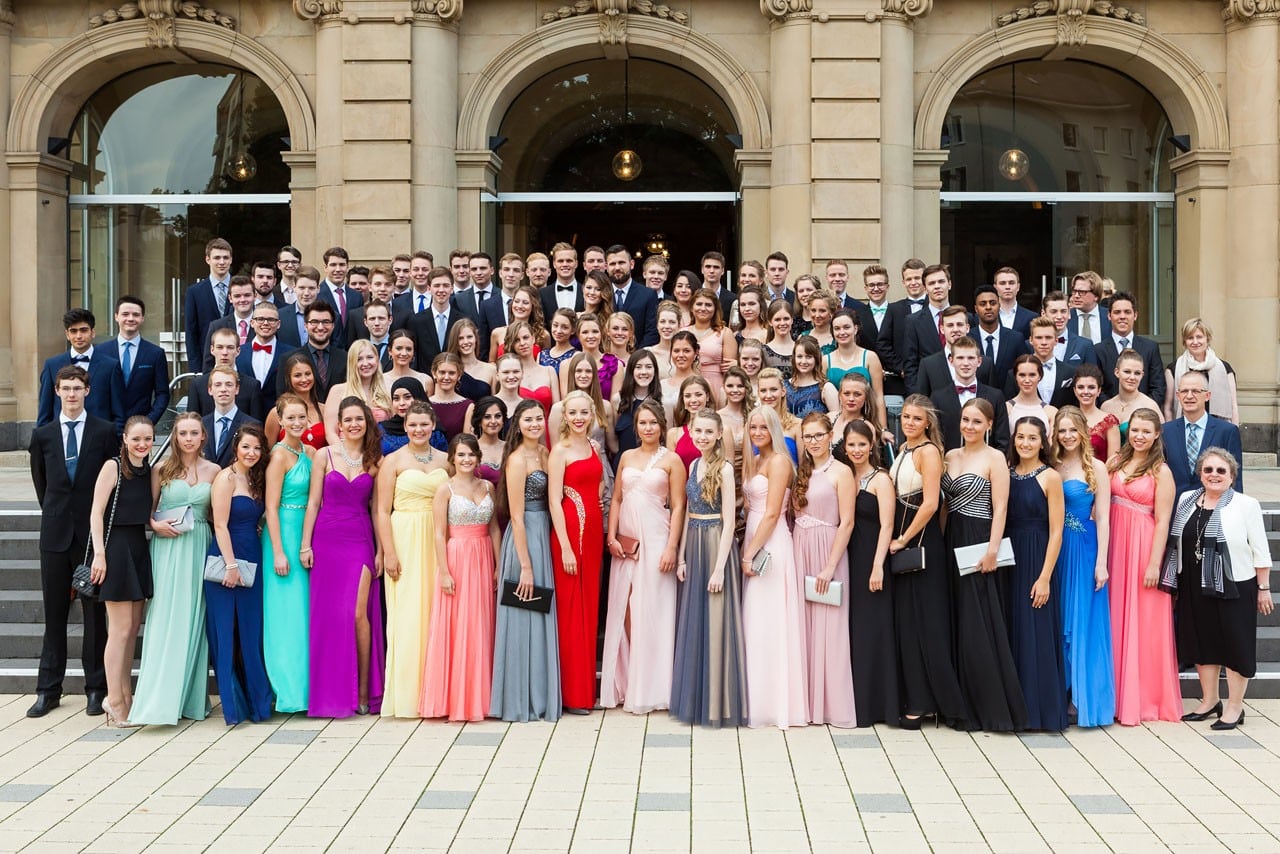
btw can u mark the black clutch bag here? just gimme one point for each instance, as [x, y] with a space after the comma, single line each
[907, 560]
[540, 601]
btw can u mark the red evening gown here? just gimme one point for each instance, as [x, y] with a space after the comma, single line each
[578, 596]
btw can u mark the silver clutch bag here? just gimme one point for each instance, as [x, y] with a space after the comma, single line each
[834, 595]
[182, 518]
[967, 557]
[215, 570]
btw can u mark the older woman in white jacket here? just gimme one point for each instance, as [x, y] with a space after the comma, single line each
[1219, 565]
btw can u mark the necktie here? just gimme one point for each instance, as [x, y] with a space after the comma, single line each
[382, 351]
[73, 449]
[422, 302]
[618, 296]
[506, 308]
[1193, 443]
[942, 339]
[990, 352]
[1086, 326]
[441, 323]
[224, 427]
[341, 294]
[244, 332]
[322, 367]
[78, 358]
[221, 290]
[126, 361]
[261, 348]
[482, 295]
[1124, 343]
[916, 305]
[967, 389]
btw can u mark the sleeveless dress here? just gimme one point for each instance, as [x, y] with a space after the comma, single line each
[773, 623]
[1098, 435]
[1146, 664]
[578, 595]
[686, 450]
[805, 399]
[835, 375]
[609, 366]
[710, 357]
[233, 618]
[409, 598]
[173, 680]
[708, 684]
[635, 669]
[827, 627]
[1035, 634]
[451, 416]
[871, 638]
[286, 600]
[472, 388]
[128, 576]
[313, 436]
[542, 395]
[774, 359]
[984, 661]
[526, 655]
[459, 652]
[554, 362]
[1018, 410]
[1086, 613]
[343, 552]
[922, 609]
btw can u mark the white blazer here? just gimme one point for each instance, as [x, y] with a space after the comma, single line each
[1245, 534]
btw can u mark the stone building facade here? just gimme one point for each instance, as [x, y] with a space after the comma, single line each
[854, 129]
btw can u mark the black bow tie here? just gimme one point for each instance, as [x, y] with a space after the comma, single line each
[77, 359]
[566, 288]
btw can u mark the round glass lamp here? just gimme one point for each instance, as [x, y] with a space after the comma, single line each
[243, 167]
[627, 165]
[1014, 164]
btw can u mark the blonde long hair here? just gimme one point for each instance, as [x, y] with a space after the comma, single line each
[380, 396]
[173, 468]
[564, 410]
[778, 439]
[712, 478]
[1083, 452]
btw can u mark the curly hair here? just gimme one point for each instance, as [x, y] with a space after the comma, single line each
[800, 492]
[1155, 456]
[256, 476]
[1083, 451]
[714, 462]
[370, 443]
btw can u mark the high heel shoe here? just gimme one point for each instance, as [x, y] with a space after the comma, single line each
[1221, 724]
[911, 723]
[1205, 715]
[114, 721]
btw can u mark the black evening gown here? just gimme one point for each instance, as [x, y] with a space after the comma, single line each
[875, 664]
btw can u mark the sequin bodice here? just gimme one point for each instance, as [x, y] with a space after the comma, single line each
[697, 505]
[535, 490]
[464, 511]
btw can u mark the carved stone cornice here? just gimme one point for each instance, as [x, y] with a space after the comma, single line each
[7, 17]
[1071, 15]
[784, 10]
[160, 16]
[1243, 11]
[449, 11]
[909, 10]
[613, 16]
[311, 10]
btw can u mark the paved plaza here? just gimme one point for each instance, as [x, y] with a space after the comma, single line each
[618, 782]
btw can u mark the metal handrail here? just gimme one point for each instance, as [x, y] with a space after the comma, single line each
[171, 413]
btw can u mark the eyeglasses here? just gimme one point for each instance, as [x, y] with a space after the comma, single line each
[1215, 470]
[814, 437]
[289, 262]
[1081, 293]
[319, 323]
[265, 319]
[1193, 391]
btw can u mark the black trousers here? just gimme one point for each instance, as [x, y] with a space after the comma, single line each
[55, 583]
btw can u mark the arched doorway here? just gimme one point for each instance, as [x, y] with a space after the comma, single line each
[1096, 191]
[146, 197]
[558, 140]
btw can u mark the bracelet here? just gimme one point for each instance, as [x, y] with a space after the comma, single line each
[1260, 587]
[305, 549]
[233, 566]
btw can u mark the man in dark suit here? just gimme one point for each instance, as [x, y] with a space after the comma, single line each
[1088, 316]
[893, 329]
[329, 361]
[104, 373]
[265, 288]
[923, 334]
[377, 330]
[417, 298]
[999, 344]
[872, 312]
[935, 369]
[564, 291]
[430, 328]
[381, 287]
[481, 290]
[1195, 431]
[224, 345]
[1124, 314]
[207, 300]
[631, 296]
[293, 321]
[240, 320]
[964, 386]
[221, 424]
[1069, 348]
[262, 356]
[335, 292]
[1058, 378]
[66, 457]
[1012, 316]
[712, 278]
[776, 268]
[142, 364]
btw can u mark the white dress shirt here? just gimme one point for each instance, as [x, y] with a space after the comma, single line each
[1116, 337]
[1008, 317]
[260, 359]
[1095, 324]
[1048, 382]
[567, 299]
[66, 430]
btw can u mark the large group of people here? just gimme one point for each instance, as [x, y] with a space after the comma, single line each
[422, 492]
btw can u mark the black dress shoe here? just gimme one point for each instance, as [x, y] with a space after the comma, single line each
[1205, 715]
[93, 707]
[45, 703]
[1220, 724]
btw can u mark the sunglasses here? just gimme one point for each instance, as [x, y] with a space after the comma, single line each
[1220, 470]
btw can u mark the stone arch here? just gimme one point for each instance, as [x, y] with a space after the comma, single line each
[560, 43]
[1169, 73]
[57, 90]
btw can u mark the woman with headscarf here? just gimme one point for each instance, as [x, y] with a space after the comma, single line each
[404, 392]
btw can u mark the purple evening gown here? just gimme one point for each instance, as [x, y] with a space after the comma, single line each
[343, 546]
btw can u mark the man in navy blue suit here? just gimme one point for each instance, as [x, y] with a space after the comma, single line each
[306, 290]
[633, 297]
[239, 321]
[143, 365]
[334, 291]
[893, 330]
[1012, 315]
[207, 300]
[1088, 318]
[221, 424]
[1186, 437]
[105, 398]
[1069, 347]
[263, 354]
[225, 347]
[923, 335]
[776, 268]
[999, 344]
[1124, 314]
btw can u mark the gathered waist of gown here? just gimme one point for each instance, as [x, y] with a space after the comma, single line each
[805, 520]
[413, 507]
[469, 532]
[1072, 522]
[971, 512]
[704, 520]
[1133, 505]
[293, 507]
[536, 506]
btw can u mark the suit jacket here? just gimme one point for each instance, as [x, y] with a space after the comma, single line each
[547, 295]
[249, 399]
[787, 294]
[1008, 345]
[228, 322]
[1152, 385]
[423, 328]
[919, 339]
[1073, 325]
[354, 300]
[402, 308]
[947, 402]
[868, 332]
[1080, 351]
[229, 452]
[337, 372]
[890, 346]
[1217, 433]
[147, 390]
[935, 373]
[1064, 393]
[467, 300]
[1022, 321]
[357, 330]
[642, 305]
[268, 388]
[727, 299]
[288, 330]
[106, 389]
[200, 308]
[64, 503]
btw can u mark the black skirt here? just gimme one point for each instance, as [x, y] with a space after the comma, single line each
[128, 565]
[1211, 630]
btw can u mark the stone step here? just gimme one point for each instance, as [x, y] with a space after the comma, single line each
[19, 516]
[19, 574]
[27, 606]
[20, 545]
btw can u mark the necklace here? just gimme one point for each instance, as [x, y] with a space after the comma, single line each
[431, 455]
[1206, 514]
[358, 462]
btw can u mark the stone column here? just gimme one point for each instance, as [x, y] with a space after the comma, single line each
[327, 174]
[1200, 179]
[897, 130]
[477, 177]
[1252, 214]
[754, 184]
[436, 194]
[9, 309]
[790, 104]
[927, 180]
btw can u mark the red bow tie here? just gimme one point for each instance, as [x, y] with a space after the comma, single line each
[971, 389]
[265, 348]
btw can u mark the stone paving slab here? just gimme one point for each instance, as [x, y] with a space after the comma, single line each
[618, 782]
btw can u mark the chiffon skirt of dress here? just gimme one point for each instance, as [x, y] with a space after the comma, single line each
[1086, 613]
[286, 599]
[831, 699]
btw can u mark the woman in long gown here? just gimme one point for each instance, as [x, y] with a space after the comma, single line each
[773, 617]
[407, 483]
[575, 476]
[640, 627]
[456, 680]
[922, 599]
[1035, 531]
[173, 680]
[639, 383]
[976, 485]
[871, 636]
[1082, 573]
[526, 655]
[234, 613]
[1142, 492]
[717, 348]
[823, 505]
[286, 587]
[347, 648]
[708, 684]
[299, 377]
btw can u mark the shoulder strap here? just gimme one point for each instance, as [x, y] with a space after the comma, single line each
[115, 497]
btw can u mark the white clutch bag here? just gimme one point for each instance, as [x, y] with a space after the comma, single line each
[834, 595]
[182, 519]
[967, 557]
